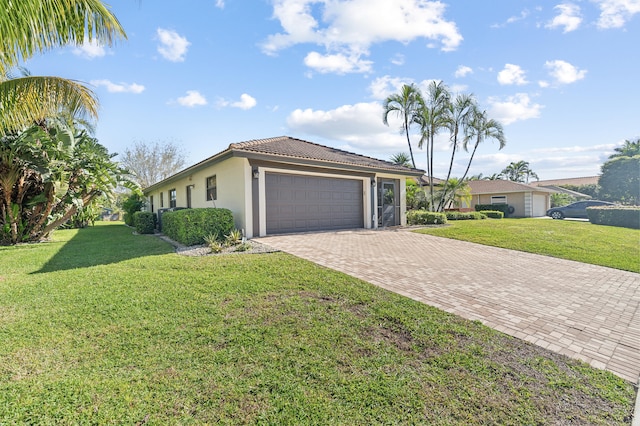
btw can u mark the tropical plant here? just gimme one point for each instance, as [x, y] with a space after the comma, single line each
[454, 193]
[481, 127]
[234, 237]
[461, 111]
[519, 172]
[34, 26]
[433, 118]
[416, 196]
[628, 149]
[561, 199]
[47, 174]
[133, 204]
[401, 159]
[405, 105]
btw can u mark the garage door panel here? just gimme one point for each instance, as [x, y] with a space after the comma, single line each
[312, 203]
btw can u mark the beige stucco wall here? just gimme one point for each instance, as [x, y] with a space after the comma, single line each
[233, 194]
[526, 204]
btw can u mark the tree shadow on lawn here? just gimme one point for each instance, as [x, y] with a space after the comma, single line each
[104, 244]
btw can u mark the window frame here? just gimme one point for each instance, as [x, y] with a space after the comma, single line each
[173, 196]
[211, 193]
[500, 197]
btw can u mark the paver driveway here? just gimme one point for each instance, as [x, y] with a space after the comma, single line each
[584, 311]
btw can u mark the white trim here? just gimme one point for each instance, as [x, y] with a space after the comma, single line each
[262, 192]
[248, 200]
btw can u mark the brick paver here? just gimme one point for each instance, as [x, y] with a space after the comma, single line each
[584, 311]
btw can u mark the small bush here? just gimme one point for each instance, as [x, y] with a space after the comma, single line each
[134, 203]
[623, 216]
[423, 217]
[190, 226]
[243, 247]
[465, 215]
[144, 222]
[504, 208]
[234, 237]
[493, 214]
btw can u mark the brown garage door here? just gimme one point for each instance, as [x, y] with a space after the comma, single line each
[298, 203]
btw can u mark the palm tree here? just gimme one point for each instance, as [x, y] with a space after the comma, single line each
[433, 117]
[460, 114]
[481, 128]
[628, 149]
[401, 159]
[455, 193]
[405, 105]
[35, 26]
[519, 172]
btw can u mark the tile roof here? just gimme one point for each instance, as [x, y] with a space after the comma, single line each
[298, 149]
[588, 180]
[494, 186]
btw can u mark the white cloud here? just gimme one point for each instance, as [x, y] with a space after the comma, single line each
[245, 102]
[513, 108]
[569, 18]
[615, 13]
[338, 63]
[398, 59]
[118, 87]
[563, 72]
[192, 99]
[90, 50]
[512, 74]
[382, 87]
[173, 46]
[349, 28]
[220, 4]
[512, 19]
[463, 71]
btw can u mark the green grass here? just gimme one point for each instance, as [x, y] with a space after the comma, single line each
[574, 240]
[103, 327]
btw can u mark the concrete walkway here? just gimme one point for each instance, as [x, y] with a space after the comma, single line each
[584, 311]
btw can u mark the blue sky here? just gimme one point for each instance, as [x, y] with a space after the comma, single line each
[561, 76]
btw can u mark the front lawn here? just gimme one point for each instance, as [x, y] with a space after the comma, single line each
[103, 327]
[581, 241]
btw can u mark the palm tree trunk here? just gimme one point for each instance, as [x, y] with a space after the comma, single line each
[475, 147]
[406, 126]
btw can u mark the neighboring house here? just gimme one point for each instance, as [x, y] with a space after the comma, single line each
[283, 185]
[556, 185]
[526, 200]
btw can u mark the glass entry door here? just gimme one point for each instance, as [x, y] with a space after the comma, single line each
[386, 204]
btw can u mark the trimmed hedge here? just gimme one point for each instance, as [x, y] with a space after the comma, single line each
[424, 217]
[493, 214]
[622, 216]
[190, 226]
[504, 208]
[465, 215]
[144, 222]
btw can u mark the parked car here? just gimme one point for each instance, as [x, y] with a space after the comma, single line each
[577, 209]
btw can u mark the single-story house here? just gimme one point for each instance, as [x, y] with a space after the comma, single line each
[284, 185]
[526, 200]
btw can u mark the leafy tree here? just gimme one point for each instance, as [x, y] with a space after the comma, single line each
[519, 172]
[406, 105]
[433, 118]
[620, 180]
[35, 26]
[153, 162]
[401, 159]
[589, 189]
[133, 203]
[454, 193]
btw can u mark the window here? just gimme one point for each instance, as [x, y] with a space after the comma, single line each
[151, 202]
[212, 188]
[161, 199]
[498, 199]
[172, 198]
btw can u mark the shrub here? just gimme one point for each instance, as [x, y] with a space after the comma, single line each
[465, 215]
[504, 208]
[493, 214]
[190, 226]
[623, 216]
[133, 203]
[234, 237]
[423, 217]
[144, 222]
